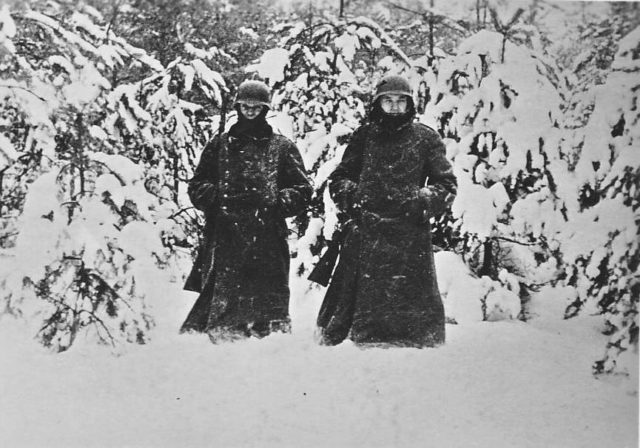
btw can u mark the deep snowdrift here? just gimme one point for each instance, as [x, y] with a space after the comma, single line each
[501, 384]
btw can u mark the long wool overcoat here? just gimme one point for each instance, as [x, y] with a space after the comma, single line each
[242, 270]
[384, 289]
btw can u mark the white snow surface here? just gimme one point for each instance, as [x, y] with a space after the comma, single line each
[493, 384]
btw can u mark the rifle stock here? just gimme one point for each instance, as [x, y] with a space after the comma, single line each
[321, 273]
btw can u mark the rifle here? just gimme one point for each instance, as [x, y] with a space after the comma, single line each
[321, 273]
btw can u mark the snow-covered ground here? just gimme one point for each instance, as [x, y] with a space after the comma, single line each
[499, 384]
[494, 384]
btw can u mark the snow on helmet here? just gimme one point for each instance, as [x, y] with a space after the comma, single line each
[393, 85]
[253, 93]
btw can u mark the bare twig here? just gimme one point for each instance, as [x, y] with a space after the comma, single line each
[179, 212]
[509, 240]
[25, 89]
[116, 10]
[8, 235]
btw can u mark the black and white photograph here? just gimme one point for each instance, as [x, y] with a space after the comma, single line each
[319, 223]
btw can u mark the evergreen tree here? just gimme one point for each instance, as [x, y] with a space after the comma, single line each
[604, 270]
[75, 258]
[496, 104]
[587, 62]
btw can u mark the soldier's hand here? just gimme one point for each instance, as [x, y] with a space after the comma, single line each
[425, 193]
[345, 195]
[426, 196]
[287, 199]
[417, 209]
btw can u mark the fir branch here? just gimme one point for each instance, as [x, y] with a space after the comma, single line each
[460, 26]
[93, 275]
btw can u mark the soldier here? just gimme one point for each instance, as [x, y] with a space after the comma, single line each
[247, 182]
[392, 178]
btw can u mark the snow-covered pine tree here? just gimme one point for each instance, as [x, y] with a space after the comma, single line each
[497, 107]
[587, 60]
[158, 122]
[28, 100]
[600, 248]
[86, 234]
[164, 121]
[80, 247]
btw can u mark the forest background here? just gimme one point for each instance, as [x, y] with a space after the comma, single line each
[107, 105]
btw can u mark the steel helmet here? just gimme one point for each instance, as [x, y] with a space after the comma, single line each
[253, 93]
[393, 85]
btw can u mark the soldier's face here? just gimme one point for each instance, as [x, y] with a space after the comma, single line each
[394, 104]
[250, 112]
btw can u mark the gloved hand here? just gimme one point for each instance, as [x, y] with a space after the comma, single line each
[426, 194]
[425, 199]
[418, 208]
[287, 199]
[344, 195]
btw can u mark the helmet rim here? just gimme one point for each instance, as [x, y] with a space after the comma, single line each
[393, 85]
[253, 93]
